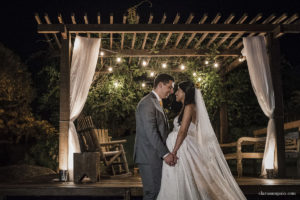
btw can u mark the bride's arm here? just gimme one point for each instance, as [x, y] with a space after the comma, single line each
[185, 124]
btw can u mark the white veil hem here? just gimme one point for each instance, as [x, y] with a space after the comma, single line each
[219, 170]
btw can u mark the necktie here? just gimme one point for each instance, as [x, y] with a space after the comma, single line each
[161, 103]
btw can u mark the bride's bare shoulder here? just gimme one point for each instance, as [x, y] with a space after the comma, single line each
[190, 108]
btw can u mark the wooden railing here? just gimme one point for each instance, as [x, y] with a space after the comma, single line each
[292, 146]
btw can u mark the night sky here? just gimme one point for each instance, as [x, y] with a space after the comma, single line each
[18, 26]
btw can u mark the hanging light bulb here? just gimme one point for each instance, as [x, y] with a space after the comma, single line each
[151, 74]
[164, 65]
[216, 65]
[182, 67]
[101, 53]
[144, 63]
[206, 62]
[194, 74]
[110, 69]
[241, 59]
[118, 59]
[143, 84]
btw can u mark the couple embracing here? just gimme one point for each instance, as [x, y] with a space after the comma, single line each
[187, 162]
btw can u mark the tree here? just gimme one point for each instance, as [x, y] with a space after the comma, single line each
[17, 123]
[44, 66]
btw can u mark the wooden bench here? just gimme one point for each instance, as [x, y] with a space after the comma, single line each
[292, 146]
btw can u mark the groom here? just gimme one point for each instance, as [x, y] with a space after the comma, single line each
[151, 133]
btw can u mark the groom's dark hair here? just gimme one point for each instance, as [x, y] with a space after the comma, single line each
[165, 78]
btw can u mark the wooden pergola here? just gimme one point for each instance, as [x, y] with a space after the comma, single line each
[190, 38]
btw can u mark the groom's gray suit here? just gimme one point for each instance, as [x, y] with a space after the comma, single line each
[150, 143]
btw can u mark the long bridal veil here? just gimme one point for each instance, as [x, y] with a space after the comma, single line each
[219, 170]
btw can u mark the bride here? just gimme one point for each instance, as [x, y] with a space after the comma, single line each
[201, 171]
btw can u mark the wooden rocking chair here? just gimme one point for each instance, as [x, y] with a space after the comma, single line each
[111, 152]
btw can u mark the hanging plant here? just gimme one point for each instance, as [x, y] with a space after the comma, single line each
[132, 14]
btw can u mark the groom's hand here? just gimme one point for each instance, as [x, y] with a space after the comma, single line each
[169, 159]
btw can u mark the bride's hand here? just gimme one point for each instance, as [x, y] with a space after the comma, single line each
[174, 153]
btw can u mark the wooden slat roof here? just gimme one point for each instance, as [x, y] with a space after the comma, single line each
[192, 37]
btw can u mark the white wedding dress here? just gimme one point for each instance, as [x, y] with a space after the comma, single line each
[201, 171]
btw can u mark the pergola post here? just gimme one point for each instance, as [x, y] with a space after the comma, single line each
[274, 58]
[64, 112]
[223, 115]
[223, 123]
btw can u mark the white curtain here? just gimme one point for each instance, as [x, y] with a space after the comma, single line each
[84, 61]
[260, 75]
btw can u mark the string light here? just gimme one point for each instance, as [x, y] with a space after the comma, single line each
[144, 63]
[216, 65]
[118, 59]
[182, 67]
[241, 59]
[164, 65]
[116, 84]
[206, 62]
[194, 74]
[101, 53]
[143, 84]
[199, 79]
[110, 69]
[151, 74]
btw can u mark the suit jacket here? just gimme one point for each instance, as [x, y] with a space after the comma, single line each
[151, 131]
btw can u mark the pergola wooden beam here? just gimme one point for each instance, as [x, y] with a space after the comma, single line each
[146, 34]
[122, 36]
[232, 65]
[111, 21]
[38, 20]
[99, 22]
[188, 21]
[169, 53]
[134, 32]
[86, 21]
[215, 20]
[266, 21]
[54, 34]
[278, 31]
[60, 19]
[100, 36]
[163, 20]
[73, 19]
[105, 71]
[177, 17]
[240, 21]
[203, 19]
[164, 28]
[280, 19]
[291, 19]
[227, 21]
[239, 35]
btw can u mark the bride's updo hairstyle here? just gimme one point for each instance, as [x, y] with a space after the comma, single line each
[189, 92]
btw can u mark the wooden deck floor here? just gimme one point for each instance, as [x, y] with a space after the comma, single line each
[127, 187]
